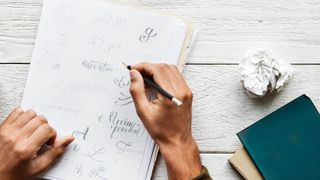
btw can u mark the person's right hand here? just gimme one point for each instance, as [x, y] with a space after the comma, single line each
[168, 124]
[22, 134]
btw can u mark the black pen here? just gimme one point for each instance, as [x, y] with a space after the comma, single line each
[158, 88]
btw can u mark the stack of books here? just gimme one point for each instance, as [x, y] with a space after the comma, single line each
[283, 145]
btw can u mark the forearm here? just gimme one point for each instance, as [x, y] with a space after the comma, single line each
[169, 125]
[182, 160]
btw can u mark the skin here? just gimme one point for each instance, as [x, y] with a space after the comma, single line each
[168, 124]
[22, 134]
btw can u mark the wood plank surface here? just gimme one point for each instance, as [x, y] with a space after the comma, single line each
[217, 164]
[227, 29]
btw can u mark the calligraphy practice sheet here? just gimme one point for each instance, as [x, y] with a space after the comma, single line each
[78, 82]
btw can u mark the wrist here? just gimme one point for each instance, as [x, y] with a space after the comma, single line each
[182, 159]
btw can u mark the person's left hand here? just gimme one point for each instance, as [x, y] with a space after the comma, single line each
[22, 135]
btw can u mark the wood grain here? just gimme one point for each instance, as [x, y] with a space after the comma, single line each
[221, 106]
[217, 164]
[227, 29]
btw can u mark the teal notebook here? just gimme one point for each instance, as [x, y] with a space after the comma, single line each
[286, 143]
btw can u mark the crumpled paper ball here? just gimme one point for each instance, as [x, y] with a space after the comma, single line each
[263, 71]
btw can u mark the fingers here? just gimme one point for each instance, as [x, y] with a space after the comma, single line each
[13, 116]
[155, 71]
[24, 118]
[166, 76]
[41, 136]
[137, 91]
[145, 68]
[47, 160]
[33, 125]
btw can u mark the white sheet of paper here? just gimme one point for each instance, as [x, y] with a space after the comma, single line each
[78, 82]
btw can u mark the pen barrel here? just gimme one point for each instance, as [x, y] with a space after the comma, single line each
[158, 88]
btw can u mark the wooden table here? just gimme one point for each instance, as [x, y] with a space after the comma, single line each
[227, 29]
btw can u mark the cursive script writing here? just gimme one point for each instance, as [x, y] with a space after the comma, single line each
[105, 19]
[106, 46]
[98, 172]
[122, 146]
[96, 153]
[121, 81]
[98, 66]
[124, 99]
[118, 125]
[78, 170]
[75, 84]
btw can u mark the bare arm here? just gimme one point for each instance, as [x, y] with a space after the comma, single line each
[168, 124]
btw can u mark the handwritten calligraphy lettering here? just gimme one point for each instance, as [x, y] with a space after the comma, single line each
[98, 66]
[98, 172]
[76, 148]
[105, 19]
[124, 99]
[118, 125]
[122, 81]
[78, 170]
[122, 146]
[82, 134]
[148, 33]
[102, 44]
[96, 153]
[75, 84]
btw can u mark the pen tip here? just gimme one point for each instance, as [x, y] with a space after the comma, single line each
[127, 66]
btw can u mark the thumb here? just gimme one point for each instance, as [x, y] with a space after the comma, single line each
[138, 92]
[45, 161]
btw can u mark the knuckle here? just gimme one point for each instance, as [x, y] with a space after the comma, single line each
[22, 152]
[173, 67]
[59, 152]
[18, 110]
[50, 130]
[46, 128]
[188, 95]
[8, 140]
[42, 119]
[163, 66]
[144, 63]
[31, 113]
[54, 132]
[34, 170]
